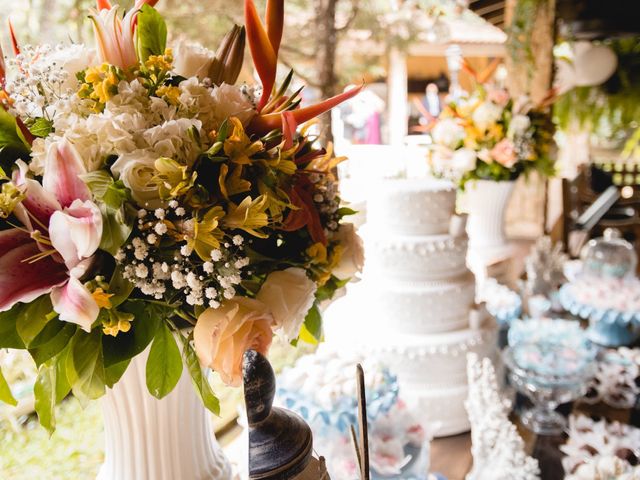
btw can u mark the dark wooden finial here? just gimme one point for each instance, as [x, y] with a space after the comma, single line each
[280, 442]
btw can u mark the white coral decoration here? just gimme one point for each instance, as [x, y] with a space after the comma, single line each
[615, 382]
[605, 468]
[545, 267]
[590, 441]
[498, 451]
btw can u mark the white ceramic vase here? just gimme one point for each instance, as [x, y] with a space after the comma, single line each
[486, 203]
[150, 439]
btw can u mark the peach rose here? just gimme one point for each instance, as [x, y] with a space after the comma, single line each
[504, 153]
[289, 295]
[222, 335]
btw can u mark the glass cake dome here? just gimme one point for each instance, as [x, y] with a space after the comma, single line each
[609, 256]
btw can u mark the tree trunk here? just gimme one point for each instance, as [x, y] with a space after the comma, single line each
[326, 45]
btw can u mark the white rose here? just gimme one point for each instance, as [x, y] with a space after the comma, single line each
[192, 60]
[289, 294]
[136, 170]
[518, 126]
[70, 59]
[486, 115]
[352, 258]
[448, 132]
[464, 160]
[232, 102]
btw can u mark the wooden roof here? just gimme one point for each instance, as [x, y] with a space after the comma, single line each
[491, 10]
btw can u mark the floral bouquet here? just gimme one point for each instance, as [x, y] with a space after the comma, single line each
[490, 136]
[146, 199]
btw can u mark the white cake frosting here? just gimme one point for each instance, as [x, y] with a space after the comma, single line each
[412, 310]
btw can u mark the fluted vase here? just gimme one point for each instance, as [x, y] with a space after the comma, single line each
[151, 439]
[486, 202]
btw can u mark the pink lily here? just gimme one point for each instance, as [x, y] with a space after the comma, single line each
[61, 232]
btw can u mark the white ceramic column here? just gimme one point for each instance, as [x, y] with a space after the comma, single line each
[150, 439]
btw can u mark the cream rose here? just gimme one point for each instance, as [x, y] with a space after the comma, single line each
[289, 294]
[136, 170]
[222, 335]
[352, 259]
[464, 160]
[486, 115]
[448, 132]
[232, 102]
[192, 60]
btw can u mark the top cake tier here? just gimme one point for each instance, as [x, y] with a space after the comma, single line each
[411, 206]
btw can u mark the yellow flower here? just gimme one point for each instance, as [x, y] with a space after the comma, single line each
[248, 216]
[117, 322]
[10, 197]
[277, 201]
[327, 162]
[160, 63]
[238, 146]
[169, 93]
[173, 180]
[102, 298]
[317, 253]
[100, 83]
[206, 235]
[234, 183]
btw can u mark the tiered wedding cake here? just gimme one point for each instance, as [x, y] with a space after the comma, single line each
[415, 307]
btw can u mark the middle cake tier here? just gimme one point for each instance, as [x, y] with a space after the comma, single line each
[414, 257]
[416, 307]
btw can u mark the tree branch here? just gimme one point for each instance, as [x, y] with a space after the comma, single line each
[355, 10]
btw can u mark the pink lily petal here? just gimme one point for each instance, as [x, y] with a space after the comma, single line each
[63, 167]
[3, 69]
[75, 304]
[10, 239]
[36, 209]
[75, 232]
[21, 281]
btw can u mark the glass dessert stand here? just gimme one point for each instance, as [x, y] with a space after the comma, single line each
[549, 374]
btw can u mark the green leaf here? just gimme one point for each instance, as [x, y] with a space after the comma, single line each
[119, 287]
[151, 33]
[224, 131]
[9, 337]
[41, 127]
[88, 364]
[114, 373]
[10, 136]
[5, 392]
[53, 339]
[127, 345]
[199, 379]
[45, 395]
[345, 211]
[98, 182]
[313, 326]
[3, 175]
[164, 365]
[115, 229]
[63, 386]
[115, 195]
[33, 318]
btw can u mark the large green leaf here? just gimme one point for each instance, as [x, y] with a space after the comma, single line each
[312, 328]
[63, 387]
[114, 373]
[5, 392]
[88, 364]
[164, 365]
[119, 287]
[10, 136]
[9, 337]
[115, 229]
[98, 182]
[151, 33]
[53, 339]
[33, 318]
[199, 379]
[127, 345]
[45, 395]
